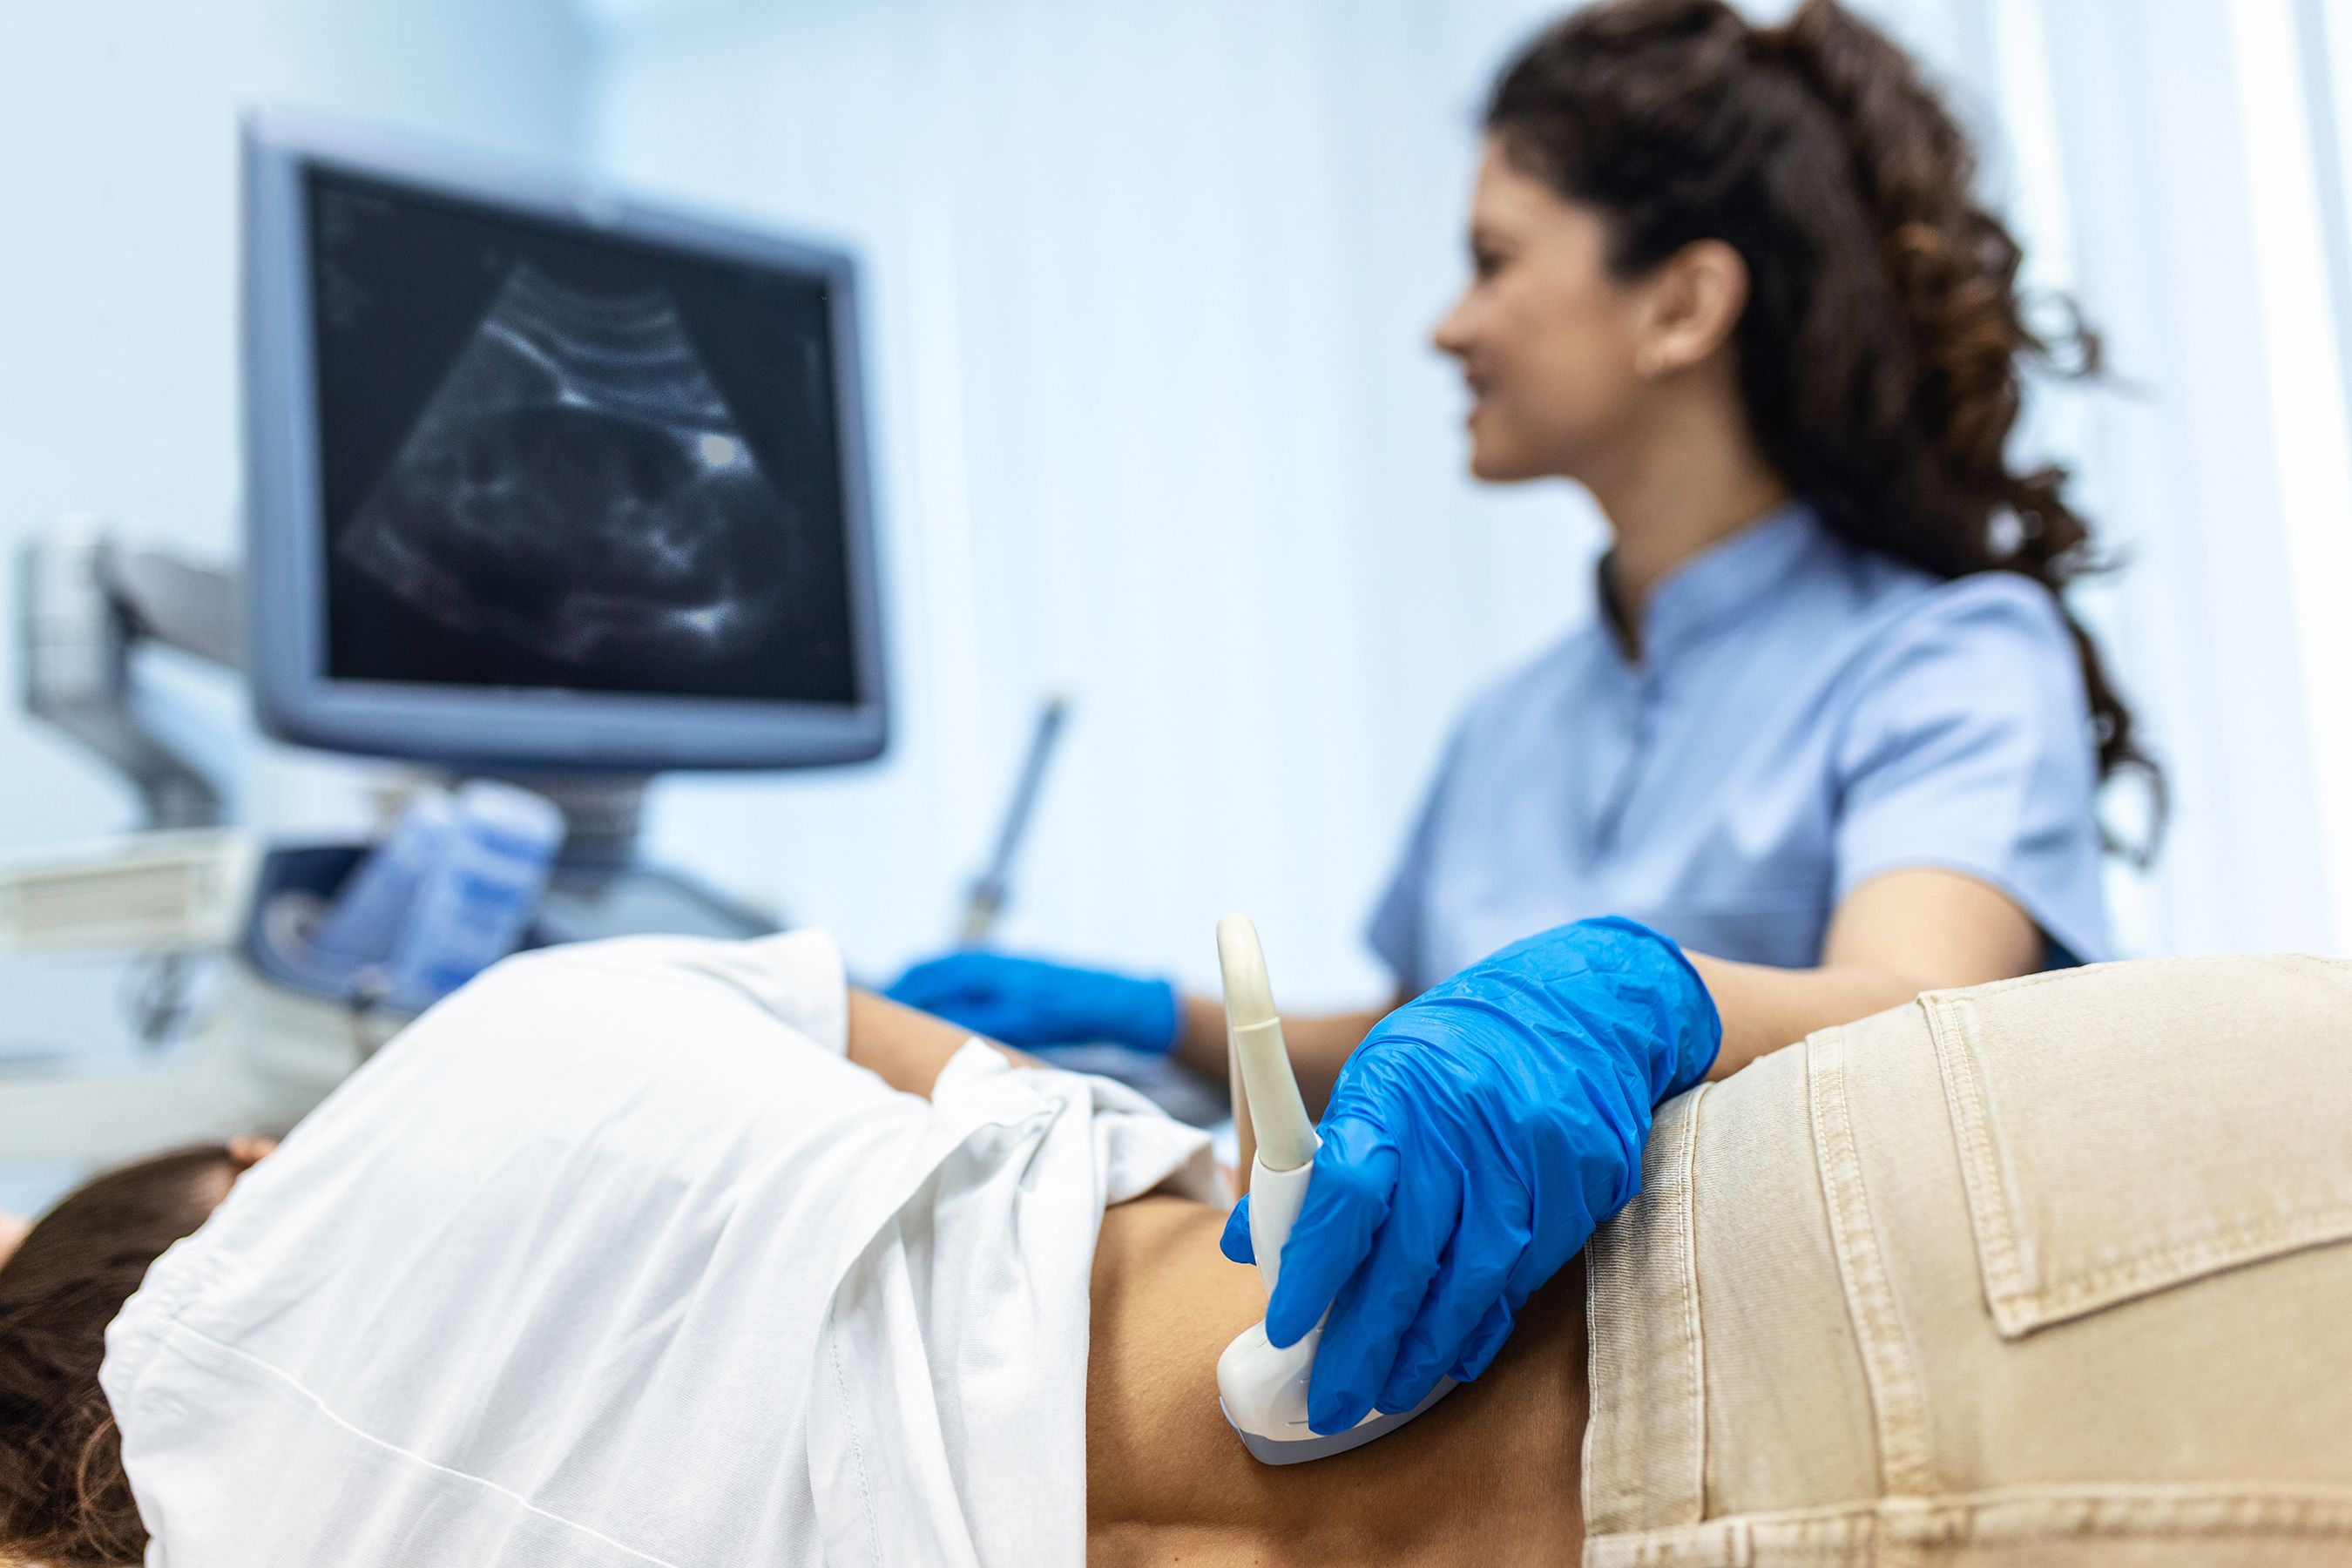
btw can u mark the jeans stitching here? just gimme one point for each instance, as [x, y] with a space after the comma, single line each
[2019, 1305]
[1654, 1431]
[1611, 1482]
[2003, 988]
[1694, 1344]
[1896, 1402]
[2007, 1291]
[1997, 1517]
[2179, 1263]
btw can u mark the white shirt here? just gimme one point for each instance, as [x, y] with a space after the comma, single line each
[613, 1258]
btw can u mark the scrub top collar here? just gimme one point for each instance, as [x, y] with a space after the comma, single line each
[1723, 584]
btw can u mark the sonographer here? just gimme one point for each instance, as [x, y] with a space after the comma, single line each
[1834, 738]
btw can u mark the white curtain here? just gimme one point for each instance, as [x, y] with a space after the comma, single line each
[2178, 168]
[1147, 288]
[1157, 428]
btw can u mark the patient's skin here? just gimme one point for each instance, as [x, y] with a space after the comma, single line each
[1490, 1477]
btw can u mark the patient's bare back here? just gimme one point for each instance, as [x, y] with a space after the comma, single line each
[1490, 1477]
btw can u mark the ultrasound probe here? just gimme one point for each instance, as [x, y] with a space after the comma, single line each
[1263, 1389]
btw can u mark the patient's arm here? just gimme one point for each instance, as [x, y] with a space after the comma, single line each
[906, 1048]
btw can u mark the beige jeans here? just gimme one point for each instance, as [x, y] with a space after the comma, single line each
[2057, 1271]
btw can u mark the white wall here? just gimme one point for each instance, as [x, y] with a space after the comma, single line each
[117, 329]
[1156, 425]
[118, 333]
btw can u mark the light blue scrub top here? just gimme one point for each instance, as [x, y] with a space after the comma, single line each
[1805, 716]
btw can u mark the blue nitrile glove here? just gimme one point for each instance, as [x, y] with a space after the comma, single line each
[1474, 1141]
[1029, 1002]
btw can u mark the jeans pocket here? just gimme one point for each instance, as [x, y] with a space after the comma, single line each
[2130, 1128]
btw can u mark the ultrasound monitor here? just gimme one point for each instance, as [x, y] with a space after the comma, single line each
[543, 480]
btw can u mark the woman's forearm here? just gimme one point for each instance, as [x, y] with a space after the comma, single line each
[1762, 1009]
[1765, 1008]
[1920, 929]
[1893, 937]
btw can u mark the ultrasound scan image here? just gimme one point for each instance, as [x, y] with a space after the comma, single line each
[576, 487]
[554, 456]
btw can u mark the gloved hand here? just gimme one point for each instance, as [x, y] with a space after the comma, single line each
[1029, 1002]
[1474, 1141]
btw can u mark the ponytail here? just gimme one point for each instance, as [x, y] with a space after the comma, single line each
[1883, 349]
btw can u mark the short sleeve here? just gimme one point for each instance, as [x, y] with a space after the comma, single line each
[1400, 921]
[1967, 747]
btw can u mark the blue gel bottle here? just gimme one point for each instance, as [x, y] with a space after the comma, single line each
[473, 905]
[366, 918]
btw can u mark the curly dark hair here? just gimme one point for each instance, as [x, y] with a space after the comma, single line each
[64, 1498]
[1884, 345]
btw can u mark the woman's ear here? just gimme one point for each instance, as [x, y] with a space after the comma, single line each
[1694, 299]
[12, 1230]
[244, 1153]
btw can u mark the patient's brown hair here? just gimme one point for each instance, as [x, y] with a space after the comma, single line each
[64, 1498]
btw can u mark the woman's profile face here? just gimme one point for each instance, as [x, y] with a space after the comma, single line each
[1548, 339]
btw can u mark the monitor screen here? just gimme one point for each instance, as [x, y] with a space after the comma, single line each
[538, 479]
[550, 458]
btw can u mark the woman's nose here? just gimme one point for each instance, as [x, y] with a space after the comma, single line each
[1451, 334]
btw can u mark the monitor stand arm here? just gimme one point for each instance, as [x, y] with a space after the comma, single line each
[86, 599]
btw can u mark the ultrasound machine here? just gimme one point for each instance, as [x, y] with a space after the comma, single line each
[542, 486]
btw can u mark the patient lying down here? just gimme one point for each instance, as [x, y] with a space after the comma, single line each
[615, 1258]
[675, 1252]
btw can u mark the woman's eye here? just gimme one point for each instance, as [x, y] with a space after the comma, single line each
[1486, 263]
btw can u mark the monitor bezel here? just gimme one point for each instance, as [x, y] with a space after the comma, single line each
[295, 697]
